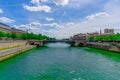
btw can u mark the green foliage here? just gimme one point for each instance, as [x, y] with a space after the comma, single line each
[112, 37]
[24, 36]
[91, 38]
[34, 36]
[13, 35]
[52, 38]
[8, 35]
[2, 34]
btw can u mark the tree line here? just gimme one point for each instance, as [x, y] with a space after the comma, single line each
[24, 36]
[111, 37]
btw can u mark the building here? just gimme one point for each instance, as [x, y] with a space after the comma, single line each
[5, 28]
[17, 31]
[108, 31]
[93, 34]
[80, 37]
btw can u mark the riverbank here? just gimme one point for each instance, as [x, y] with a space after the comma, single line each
[114, 47]
[5, 54]
[4, 45]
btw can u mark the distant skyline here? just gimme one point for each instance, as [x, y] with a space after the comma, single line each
[61, 18]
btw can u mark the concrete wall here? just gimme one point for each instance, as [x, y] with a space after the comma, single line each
[11, 44]
[115, 47]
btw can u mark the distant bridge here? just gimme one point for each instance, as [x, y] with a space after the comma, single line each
[49, 41]
[43, 42]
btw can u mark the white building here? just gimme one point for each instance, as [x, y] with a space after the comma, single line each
[5, 28]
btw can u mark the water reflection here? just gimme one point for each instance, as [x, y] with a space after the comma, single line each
[58, 45]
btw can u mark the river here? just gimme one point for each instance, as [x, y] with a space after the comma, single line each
[59, 61]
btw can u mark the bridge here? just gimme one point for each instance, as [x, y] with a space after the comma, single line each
[40, 43]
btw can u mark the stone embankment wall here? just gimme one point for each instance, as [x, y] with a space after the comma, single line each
[115, 47]
[11, 48]
[14, 51]
[11, 44]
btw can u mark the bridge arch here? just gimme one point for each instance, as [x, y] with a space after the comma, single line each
[61, 41]
[81, 44]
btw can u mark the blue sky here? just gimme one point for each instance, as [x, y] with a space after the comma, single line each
[60, 18]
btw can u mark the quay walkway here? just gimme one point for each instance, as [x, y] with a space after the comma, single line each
[4, 54]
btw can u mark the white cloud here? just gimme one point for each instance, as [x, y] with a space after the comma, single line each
[37, 27]
[38, 8]
[70, 23]
[61, 2]
[31, 27]
[44, 0]
[82, 3]
[108, 19]
[97, 15]
[37, 2]
[49, 19]
[6, 20]
[57, 2]
[1, 11]
[35, 24]
[54, 25]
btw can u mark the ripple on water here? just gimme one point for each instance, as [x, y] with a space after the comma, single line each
[78, 78]
[72, 72]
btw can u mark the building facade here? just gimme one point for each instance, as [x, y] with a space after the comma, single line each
[17, 31]
[108, 31]
[80, 37]
[93, 34]
[5, 28]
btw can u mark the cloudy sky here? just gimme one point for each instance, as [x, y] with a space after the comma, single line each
[61, 18]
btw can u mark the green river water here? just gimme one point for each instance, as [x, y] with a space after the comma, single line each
[58, 61]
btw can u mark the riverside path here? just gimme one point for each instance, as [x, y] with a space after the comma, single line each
[13, 51]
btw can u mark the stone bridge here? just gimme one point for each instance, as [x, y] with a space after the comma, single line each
[40, 43]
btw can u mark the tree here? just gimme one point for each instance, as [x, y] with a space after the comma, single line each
[2, 34]
[24, 36]
[112, 37]
[8, 35]
[34, 36]
[13, 35]
[91, 38]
